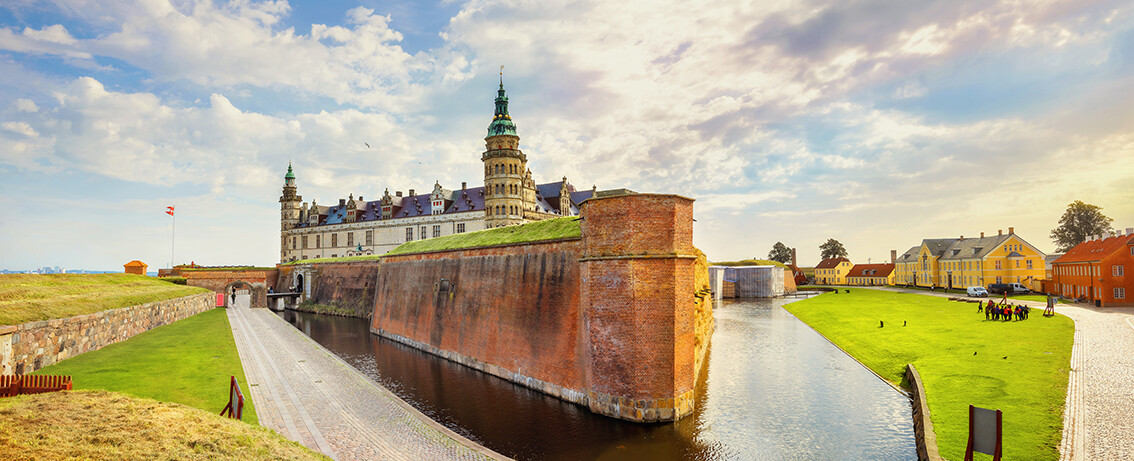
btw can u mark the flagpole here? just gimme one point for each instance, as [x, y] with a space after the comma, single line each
[172, 239]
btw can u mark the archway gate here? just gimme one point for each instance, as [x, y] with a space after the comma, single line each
[223, 279]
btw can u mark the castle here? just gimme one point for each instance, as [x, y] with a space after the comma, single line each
[358, 227]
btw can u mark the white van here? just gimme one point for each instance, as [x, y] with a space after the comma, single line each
[977, 292]
[1016, 288]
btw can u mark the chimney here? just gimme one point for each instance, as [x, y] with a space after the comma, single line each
[342, 202]
[1011, 230]
[962, 237]
[411, 192]
[793, 262]
[360, 199]
[982, 235]
[893, 256]
[1129, 230]
[398, 193]
[998, 231]
[464, 185]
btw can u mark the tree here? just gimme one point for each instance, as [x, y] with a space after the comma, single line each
[780, 253]
[832, 249]
[1081, 220]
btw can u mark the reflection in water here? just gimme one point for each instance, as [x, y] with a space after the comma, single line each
[772, 389]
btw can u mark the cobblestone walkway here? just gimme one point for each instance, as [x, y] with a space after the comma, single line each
[1098, 417]
[309, 395]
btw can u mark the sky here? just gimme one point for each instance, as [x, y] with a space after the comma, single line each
[874, 123]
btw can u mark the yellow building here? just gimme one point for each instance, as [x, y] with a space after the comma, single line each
[871, 275]
[964, 262]
[832, 271]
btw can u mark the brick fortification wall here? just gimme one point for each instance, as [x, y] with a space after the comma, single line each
[30, 346]
[349, 286]
[605, 321]
[637, 289]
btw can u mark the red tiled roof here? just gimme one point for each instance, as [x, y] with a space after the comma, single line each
[1095, 250]
[863, 270]
[135, 263]
[830, 263]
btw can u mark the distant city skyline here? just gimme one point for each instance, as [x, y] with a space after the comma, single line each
[877, 125]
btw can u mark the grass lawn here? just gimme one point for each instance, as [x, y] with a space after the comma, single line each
[343, 259]
[941, 338]
[548, 229]
[187, 362]
[31, 297]
[1036, 298]
[101, 425]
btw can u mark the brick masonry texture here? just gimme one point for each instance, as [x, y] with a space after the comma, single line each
[35, 345]
[350, 286]
[606, 321]
[259, 281]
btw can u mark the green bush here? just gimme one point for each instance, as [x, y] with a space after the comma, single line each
[174, 280]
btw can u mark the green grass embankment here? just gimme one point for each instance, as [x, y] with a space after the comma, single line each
[548, 229]
[101, 425]
[32, 297]
[1019, 367]
[1036, 298]
[344, 259]
[187, 362]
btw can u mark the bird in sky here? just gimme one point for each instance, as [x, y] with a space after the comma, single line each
[367, 145]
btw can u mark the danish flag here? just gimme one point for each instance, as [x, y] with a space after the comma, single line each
[169, 210]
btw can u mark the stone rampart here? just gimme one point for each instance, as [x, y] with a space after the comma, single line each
[349, 286]
[606, 320]
[30, 346]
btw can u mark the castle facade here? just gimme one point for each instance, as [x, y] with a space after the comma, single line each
[359, 227]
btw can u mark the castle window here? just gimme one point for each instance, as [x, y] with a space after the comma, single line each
[369, 237]
[436, 231]
[304, 242]
[423, 234]
[318, 241]
[497, 169]
[409, 234]
[334, 240]
[460, 228]
[293, 243]
[350, 239]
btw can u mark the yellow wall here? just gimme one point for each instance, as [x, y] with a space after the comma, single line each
[978, 272]
[833, 276]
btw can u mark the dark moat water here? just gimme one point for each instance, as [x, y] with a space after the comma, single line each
[774, 389]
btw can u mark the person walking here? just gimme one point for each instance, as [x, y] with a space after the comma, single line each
[233, 296]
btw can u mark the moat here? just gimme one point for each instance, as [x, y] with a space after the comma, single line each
[773, 389]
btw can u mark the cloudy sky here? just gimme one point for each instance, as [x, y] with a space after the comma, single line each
[875, 123]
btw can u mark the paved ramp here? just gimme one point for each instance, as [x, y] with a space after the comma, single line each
[309, 395]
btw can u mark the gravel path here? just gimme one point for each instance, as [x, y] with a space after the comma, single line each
[1098, 417]
[309, 395]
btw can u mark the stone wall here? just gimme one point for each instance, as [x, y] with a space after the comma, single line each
[607, 320]
[30, 346]
[924, 436]
[349, 286]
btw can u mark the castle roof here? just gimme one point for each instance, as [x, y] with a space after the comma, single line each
[501, 122]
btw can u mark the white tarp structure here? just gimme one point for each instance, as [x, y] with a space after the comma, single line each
[751, 281]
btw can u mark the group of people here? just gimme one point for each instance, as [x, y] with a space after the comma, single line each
[1003, 312]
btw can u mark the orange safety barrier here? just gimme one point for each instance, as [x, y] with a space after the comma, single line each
[235, 407]
[12, 385]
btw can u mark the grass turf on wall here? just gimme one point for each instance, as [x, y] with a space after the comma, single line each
[187, 362]
[548, 229]
[32, 297]
[748, 262]
[940, 338]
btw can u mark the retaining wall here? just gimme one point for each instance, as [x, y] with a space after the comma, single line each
[606, 320]
[349, 286]
[30, 346]
[924, 436]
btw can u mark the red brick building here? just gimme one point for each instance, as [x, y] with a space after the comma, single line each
[135, 267]
[1097, 270]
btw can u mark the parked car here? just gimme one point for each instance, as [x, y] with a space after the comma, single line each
[978, 292]
[1011, 288]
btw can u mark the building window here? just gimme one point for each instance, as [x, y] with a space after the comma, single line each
[436, 231]
[1119, 293]
[350, 239]
[409, 234]
[304, 239]
[1117, 270]
[318, 241]
[460, 228]
[1029, 264]
[423, 234]
[334, 240]
[998, 280]
[998, 266]
[369, 237]
[293, 243]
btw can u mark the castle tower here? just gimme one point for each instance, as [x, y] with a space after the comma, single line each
[504, 168]
[290, 204]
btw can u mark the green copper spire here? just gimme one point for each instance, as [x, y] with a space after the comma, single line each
[289, 174]
[501, 121]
